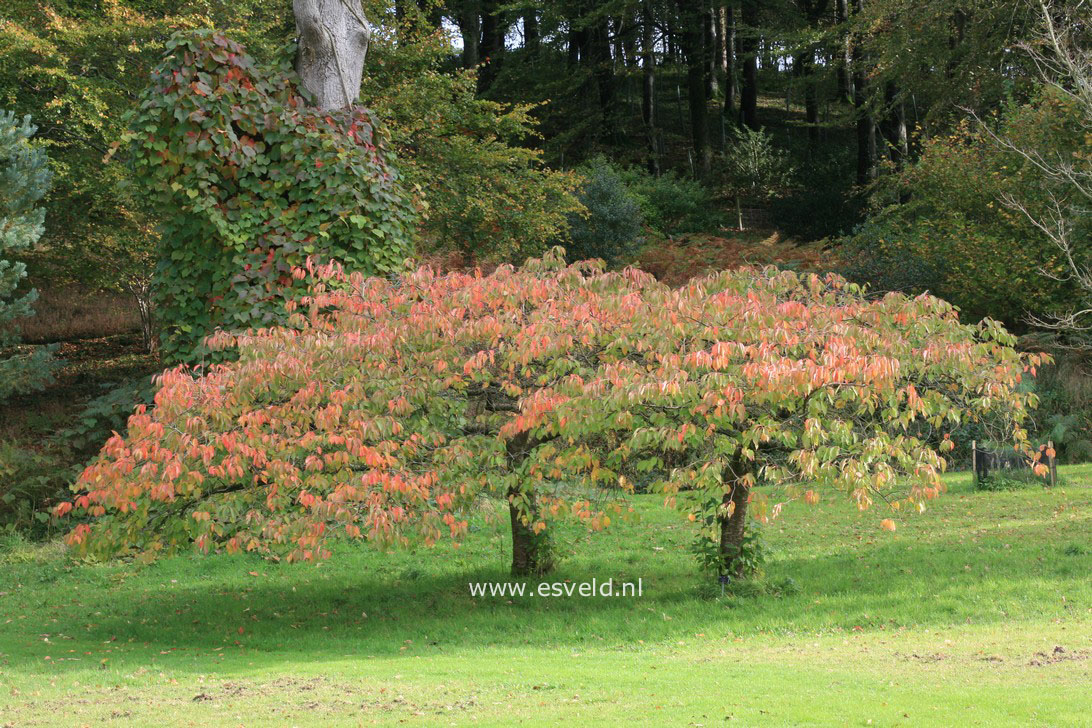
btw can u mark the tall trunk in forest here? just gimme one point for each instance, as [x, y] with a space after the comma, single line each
[492, 43]
[893, 127]
[748, 51]
[693, 45]
[814, 10]
[730, 89]
[530, 30]
[628, 30]
[733, 517]
[599, 58]
[470, 28]
[333, 43]
[619, 31]
[709, 41]
[955, 39]
[866, 123]
[811, 96]
[648, 85]
[720, 23]
[842, 55]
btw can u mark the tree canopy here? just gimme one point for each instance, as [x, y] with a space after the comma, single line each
[389, 406]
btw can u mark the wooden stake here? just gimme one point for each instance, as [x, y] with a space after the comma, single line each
[1053, 466]
[974, 461]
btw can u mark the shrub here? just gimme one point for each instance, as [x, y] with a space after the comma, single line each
[824, 204]
[672, 204]
[253, 182]
[881, 253]
[946, 213]
[31, 479]
[1008, 480]
[612, 226]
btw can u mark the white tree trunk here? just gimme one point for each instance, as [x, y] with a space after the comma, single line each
[333, 41]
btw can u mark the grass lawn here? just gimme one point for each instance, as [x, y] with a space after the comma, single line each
[977, 612]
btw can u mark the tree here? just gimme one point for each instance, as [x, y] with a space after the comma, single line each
[747, 42]
[1062, 55]
[251, 181]
[24, 180]
[814, 12]
[611, 225]
[384, 412]
[693, 17]
[333, 42]
[754, 169]
[485, 190]
[750, 385]
[648, 86]
[992, 216]
[389, 407]
[866, 122]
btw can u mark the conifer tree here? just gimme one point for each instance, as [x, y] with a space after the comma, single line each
[24, 179]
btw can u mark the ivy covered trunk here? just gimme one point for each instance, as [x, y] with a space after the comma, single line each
[333, 40]
[733, 519]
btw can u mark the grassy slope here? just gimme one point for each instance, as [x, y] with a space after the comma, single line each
[978, 612]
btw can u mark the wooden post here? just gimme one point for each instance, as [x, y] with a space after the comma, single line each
[974, 462]
[1052, 464]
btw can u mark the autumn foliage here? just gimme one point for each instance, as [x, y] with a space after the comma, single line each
[387, 409]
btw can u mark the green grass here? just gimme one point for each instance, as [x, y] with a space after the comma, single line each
[977, 612]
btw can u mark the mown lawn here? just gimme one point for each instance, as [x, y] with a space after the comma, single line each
[977, 612]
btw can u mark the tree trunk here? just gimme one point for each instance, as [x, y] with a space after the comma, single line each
[733, 526]
[815, 11]
[530, 554]
[811, 96]
[492, 43]
[530, 30]
[709, 50]
[720, 19]
[694, 47]
[648, 86]
[844, 61]
[894, 125]
[730, 90]
[470, 28]
[866, 124]
[529, 558]
[619, 24]
[748, 48]
[628, 29]
[333, 43]
[603, 72]
[866, 134]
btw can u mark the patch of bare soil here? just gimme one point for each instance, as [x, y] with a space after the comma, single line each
[1058, 654]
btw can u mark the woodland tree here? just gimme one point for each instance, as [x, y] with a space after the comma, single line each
[333, 43]
[251, 181]
[24, 180]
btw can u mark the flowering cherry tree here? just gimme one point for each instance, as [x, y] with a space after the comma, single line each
[386, 409]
